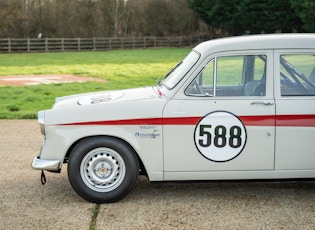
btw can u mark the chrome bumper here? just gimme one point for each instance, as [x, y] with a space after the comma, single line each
[49, 165]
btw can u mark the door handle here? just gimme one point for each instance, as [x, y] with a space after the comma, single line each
[262, 103]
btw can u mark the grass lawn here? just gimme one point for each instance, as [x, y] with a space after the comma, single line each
[121, 68]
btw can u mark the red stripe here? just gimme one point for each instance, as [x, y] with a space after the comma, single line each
[143, 121]
[268, 120]
[181, 120]
[296, 120]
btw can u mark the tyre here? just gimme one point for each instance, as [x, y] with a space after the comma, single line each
[102, 169]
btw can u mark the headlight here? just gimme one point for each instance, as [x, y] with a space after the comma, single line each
[41, 121]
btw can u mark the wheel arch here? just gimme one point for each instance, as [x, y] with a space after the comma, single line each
[142, 169]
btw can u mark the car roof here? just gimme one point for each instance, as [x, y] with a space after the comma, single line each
[249, 42]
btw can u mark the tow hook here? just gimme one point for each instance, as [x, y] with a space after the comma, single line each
[43, 178]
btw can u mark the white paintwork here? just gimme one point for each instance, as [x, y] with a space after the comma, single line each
[168, 151]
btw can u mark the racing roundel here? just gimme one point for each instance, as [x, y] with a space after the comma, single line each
[220, 136]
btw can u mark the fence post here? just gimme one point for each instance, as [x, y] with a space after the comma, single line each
[9, 45]
[94, 45]
[79, 44]
[46, 44]
[28, 44]
[62, 45]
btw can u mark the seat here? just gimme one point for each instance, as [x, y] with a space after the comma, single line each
[250, 87]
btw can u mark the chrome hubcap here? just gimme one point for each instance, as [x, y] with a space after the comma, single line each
[102, 169]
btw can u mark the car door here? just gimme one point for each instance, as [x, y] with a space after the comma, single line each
[295, 99]
[222, 120]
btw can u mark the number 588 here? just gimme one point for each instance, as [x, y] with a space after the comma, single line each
[221, 136]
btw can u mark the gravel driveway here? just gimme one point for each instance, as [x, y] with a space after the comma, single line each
[26, 204]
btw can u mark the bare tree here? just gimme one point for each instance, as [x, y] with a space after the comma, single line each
[96, 18]
[14, 18]
[113, 12]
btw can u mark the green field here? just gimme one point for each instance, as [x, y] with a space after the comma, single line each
[120, 68]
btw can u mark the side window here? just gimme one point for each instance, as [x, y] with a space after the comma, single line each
[297, 74]
[230, 76]
[242, 75]
[202, 85]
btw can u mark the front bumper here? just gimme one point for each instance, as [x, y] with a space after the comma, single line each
[49, 165]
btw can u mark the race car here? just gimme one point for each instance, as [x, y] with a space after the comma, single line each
[233, 109]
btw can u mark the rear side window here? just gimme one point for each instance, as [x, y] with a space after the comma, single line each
[297, 74]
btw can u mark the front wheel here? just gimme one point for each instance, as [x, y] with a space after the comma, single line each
[102, 170]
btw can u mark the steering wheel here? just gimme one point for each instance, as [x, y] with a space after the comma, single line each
[259, 90]
[196, 87]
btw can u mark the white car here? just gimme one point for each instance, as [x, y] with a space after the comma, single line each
[235, 108]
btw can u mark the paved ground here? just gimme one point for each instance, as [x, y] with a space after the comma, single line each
[26, 204]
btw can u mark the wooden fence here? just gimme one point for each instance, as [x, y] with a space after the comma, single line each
[12, 45]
